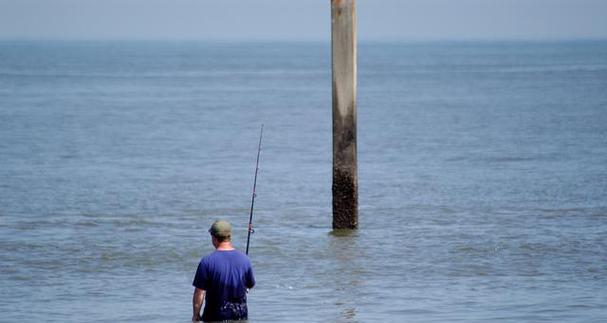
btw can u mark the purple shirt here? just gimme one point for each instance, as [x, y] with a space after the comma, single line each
[225, 276]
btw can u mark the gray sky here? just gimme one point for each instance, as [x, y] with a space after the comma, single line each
[301, 19]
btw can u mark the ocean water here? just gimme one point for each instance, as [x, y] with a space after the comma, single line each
[482, 174]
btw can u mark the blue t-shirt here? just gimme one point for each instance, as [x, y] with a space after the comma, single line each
[225, 276]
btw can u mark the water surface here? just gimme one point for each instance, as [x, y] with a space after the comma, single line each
[482, 172]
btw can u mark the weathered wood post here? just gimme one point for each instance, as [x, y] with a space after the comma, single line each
[345, 174]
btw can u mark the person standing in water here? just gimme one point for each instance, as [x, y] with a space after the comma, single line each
[222, 279]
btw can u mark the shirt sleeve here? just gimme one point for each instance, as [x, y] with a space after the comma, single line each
[200, 279]
[250, 278]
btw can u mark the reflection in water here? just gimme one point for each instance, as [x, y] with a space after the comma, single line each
[348, 315]
[344, 246]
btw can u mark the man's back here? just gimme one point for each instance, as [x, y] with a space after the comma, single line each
[225, 275]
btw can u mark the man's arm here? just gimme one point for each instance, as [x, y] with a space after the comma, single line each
[249, 278]
[197, 300]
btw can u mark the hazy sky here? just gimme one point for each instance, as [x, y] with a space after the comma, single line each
[301, 19]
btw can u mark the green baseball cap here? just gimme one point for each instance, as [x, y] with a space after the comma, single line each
[221, 229]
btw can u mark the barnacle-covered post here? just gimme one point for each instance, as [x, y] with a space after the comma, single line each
[345, 174]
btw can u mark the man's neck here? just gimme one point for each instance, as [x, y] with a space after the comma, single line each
[225, 246]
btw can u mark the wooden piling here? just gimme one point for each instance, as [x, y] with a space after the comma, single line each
[345, 173]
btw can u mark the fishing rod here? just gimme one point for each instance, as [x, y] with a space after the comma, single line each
[253, 196]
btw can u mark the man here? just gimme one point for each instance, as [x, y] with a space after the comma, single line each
[224, 276]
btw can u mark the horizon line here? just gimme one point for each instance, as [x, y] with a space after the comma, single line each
[302, 40]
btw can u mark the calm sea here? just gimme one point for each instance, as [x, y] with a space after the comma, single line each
[482, 172]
